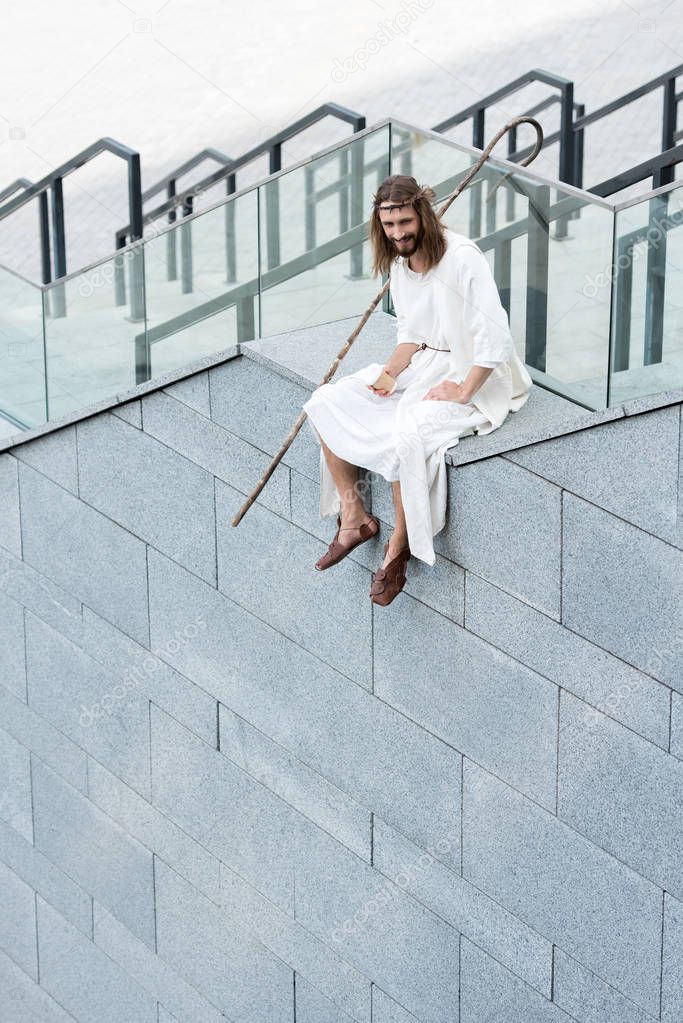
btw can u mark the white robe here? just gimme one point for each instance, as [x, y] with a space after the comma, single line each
[454, 307]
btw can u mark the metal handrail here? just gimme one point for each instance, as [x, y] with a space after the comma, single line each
[477, 111]
[655, 166]
[272, 146]
[25, 183]
[228, 171]
[582, 197]
[569, 170]
[670, 134]
[54, 183]
[573, 121]
[168, 183]
[14, 187]
[194, 161]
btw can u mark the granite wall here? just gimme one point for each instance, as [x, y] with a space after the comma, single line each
[232, 788]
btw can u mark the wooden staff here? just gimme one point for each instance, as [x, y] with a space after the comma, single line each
[378, 298]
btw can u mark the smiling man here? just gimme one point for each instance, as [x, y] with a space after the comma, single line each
[455, 372]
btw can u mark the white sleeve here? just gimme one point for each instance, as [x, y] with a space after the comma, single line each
[403, 334]
[483, 312]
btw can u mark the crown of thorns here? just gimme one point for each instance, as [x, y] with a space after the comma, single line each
[378, 204]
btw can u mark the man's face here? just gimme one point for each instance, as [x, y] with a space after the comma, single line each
[403, 227]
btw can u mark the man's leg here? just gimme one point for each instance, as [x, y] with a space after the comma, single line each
[399, 538]
[346, 479]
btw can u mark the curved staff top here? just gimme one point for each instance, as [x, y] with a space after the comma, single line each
[380, 295]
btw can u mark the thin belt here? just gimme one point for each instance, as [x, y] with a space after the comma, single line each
[425, 345]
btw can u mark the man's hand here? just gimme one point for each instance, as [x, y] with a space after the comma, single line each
[448, 390]
[380, 391]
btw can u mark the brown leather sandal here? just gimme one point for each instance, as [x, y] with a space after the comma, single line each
[388, 582]
[337, 551]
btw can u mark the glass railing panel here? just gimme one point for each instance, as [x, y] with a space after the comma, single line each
[202, 284]
[95, 332]
[580, 284]
[647, 285]
[434, 162]
[22, 366]
[315, 257]
[544, 246]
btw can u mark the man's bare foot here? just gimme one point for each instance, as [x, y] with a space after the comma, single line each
[397, 543]
[350, 525]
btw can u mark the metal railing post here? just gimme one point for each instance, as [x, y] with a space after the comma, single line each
[344, 190]
[273, 208]
[134, 258]
[578, 149]
[45, 268]
[45, 271]
[310, 210]
[665, 175]
[119, 273]
[478, 127]
[245, 318]
[537, 277]
[186, 248]
[230, 239]
[59, 248]
[356, 212]
[135, 196]
[510, 192]
[623, 293]
[171, 237]
[143, 358]
[653, 340]
[567, 158]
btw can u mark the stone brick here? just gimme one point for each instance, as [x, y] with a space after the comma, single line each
[503, 523]
[24, 1000]
[10, 517]
[15, 785]
[587, 998]
[90, 848]
[12, 645]
[48, 880]
[491, 994]
[470, 911]
[226, 965]
[18, 921]
[564, 657]
[220, 452]
[304, 789]
[53, 455]
[622, 793]
[470, 694]
[88, 703]
[605, 562]
[85, 553]
[335, 727]
[672, 962]
[267, 565]
[43, 738]
[83, 979]
[408, 951]
[153, 492]
[639, 485]
[574, 894]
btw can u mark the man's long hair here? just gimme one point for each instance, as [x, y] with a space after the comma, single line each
[400, 189]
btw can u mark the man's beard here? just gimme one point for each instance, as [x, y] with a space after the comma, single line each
[409, 246]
